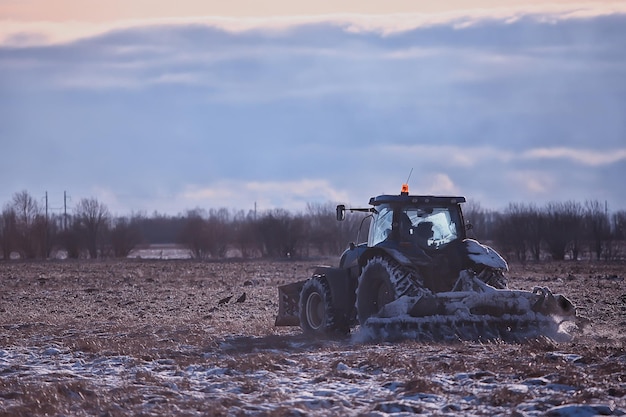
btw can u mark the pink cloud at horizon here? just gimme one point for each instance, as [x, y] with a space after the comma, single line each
[116, 10]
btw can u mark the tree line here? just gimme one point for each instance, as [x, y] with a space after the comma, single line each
[27, 231]
[558, 230]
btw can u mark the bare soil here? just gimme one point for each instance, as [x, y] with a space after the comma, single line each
[150, 337]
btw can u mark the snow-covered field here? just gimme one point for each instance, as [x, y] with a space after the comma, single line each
[151, 338]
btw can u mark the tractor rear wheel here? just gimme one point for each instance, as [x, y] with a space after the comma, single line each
[381, 282]
[317, 314]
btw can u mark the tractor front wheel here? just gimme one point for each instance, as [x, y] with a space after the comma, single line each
[317, 314]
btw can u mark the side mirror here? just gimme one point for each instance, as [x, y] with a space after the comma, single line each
[341, 212]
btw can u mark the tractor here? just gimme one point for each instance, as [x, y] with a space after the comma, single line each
[419, 275]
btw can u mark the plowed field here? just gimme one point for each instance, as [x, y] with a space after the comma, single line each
[147, 337]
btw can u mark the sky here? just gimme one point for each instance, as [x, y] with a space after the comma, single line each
[171, 106]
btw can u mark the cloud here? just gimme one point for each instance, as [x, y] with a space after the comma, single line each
[262, 194]
[476, 156]
[447, 155]
[23, 33]
[437, 184]
[581, 156]
[534, 182]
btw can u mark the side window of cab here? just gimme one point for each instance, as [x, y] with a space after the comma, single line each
[381, 227]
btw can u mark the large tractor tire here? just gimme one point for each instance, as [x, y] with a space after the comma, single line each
[318, 317]
[381, 282]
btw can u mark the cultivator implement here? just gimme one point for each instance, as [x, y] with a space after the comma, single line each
[476, 311]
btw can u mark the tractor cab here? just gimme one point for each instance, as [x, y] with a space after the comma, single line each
[413, 229]
[425, 223]
[429, 227]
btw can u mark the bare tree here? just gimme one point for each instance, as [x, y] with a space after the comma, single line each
[511, 230]
[207, 235]
[124, 236]
[8, 232]
[535, 231]
[618, 233]
[564, 228]
[30, 234]
[92, 218]
[72, 238]
[245, 234]
[619, 225]
[483, 221]
[2, 237]
[218, 230]
[26, 207]
[598, 227]
[194, 234]
[323, 230]
[281, 233]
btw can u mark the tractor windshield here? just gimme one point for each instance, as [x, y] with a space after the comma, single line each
[429, 227]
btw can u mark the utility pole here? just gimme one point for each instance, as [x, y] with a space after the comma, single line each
[64, 210]
[46, 230]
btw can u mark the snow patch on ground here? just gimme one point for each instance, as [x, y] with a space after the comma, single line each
[326, 381]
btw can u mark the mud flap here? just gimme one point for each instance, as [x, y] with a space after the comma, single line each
[288, 304]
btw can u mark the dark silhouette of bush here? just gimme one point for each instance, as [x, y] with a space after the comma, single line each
[92, 221]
